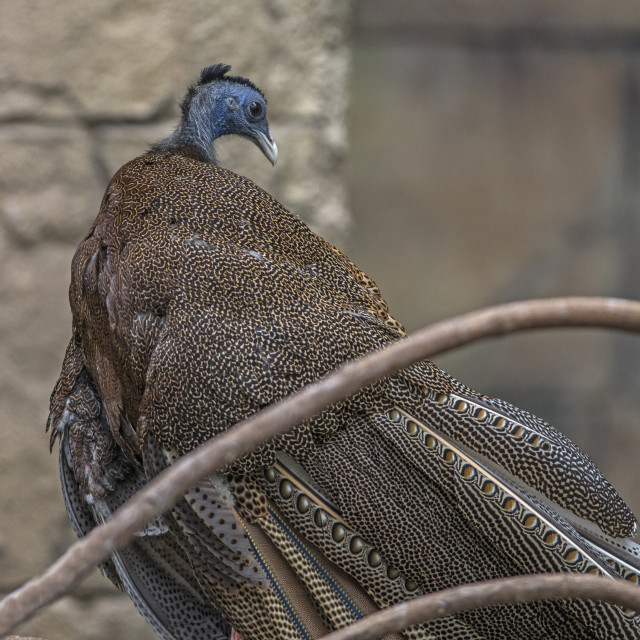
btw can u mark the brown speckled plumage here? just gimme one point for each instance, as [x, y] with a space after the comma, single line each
[197, 300]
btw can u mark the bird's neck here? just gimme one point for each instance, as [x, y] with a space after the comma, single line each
[192, 140]
[199, 128]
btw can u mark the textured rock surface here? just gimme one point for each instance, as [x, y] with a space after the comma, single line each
[86, 87]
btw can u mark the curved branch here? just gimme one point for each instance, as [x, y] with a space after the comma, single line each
[165, 489]
[483, 594]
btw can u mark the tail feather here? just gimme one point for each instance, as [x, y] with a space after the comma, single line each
[529, 449]
[343, 564]
[442, 519]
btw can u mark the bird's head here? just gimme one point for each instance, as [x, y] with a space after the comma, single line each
[221, 105]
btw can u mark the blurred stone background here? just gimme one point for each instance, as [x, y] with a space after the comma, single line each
[493, 156]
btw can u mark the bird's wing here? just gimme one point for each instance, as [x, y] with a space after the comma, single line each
[199, 300]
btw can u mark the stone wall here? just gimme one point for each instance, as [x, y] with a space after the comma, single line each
[85, 86]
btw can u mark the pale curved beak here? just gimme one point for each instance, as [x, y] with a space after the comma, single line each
[267, 145]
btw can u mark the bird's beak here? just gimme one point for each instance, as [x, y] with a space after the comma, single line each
[267, 145]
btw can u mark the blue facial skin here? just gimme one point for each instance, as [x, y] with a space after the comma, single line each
[220, 109]
[242, 111]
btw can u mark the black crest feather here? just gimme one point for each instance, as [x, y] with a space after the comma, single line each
[219, 72]
[214, 73]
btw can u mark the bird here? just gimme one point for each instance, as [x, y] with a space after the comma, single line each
[197, 300]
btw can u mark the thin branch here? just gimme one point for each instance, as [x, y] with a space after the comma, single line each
[164, 490]
[483, 594]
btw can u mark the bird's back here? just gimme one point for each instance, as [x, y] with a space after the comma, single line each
[210, 284]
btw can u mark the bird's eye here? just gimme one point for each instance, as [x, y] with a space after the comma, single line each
[255, 109]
